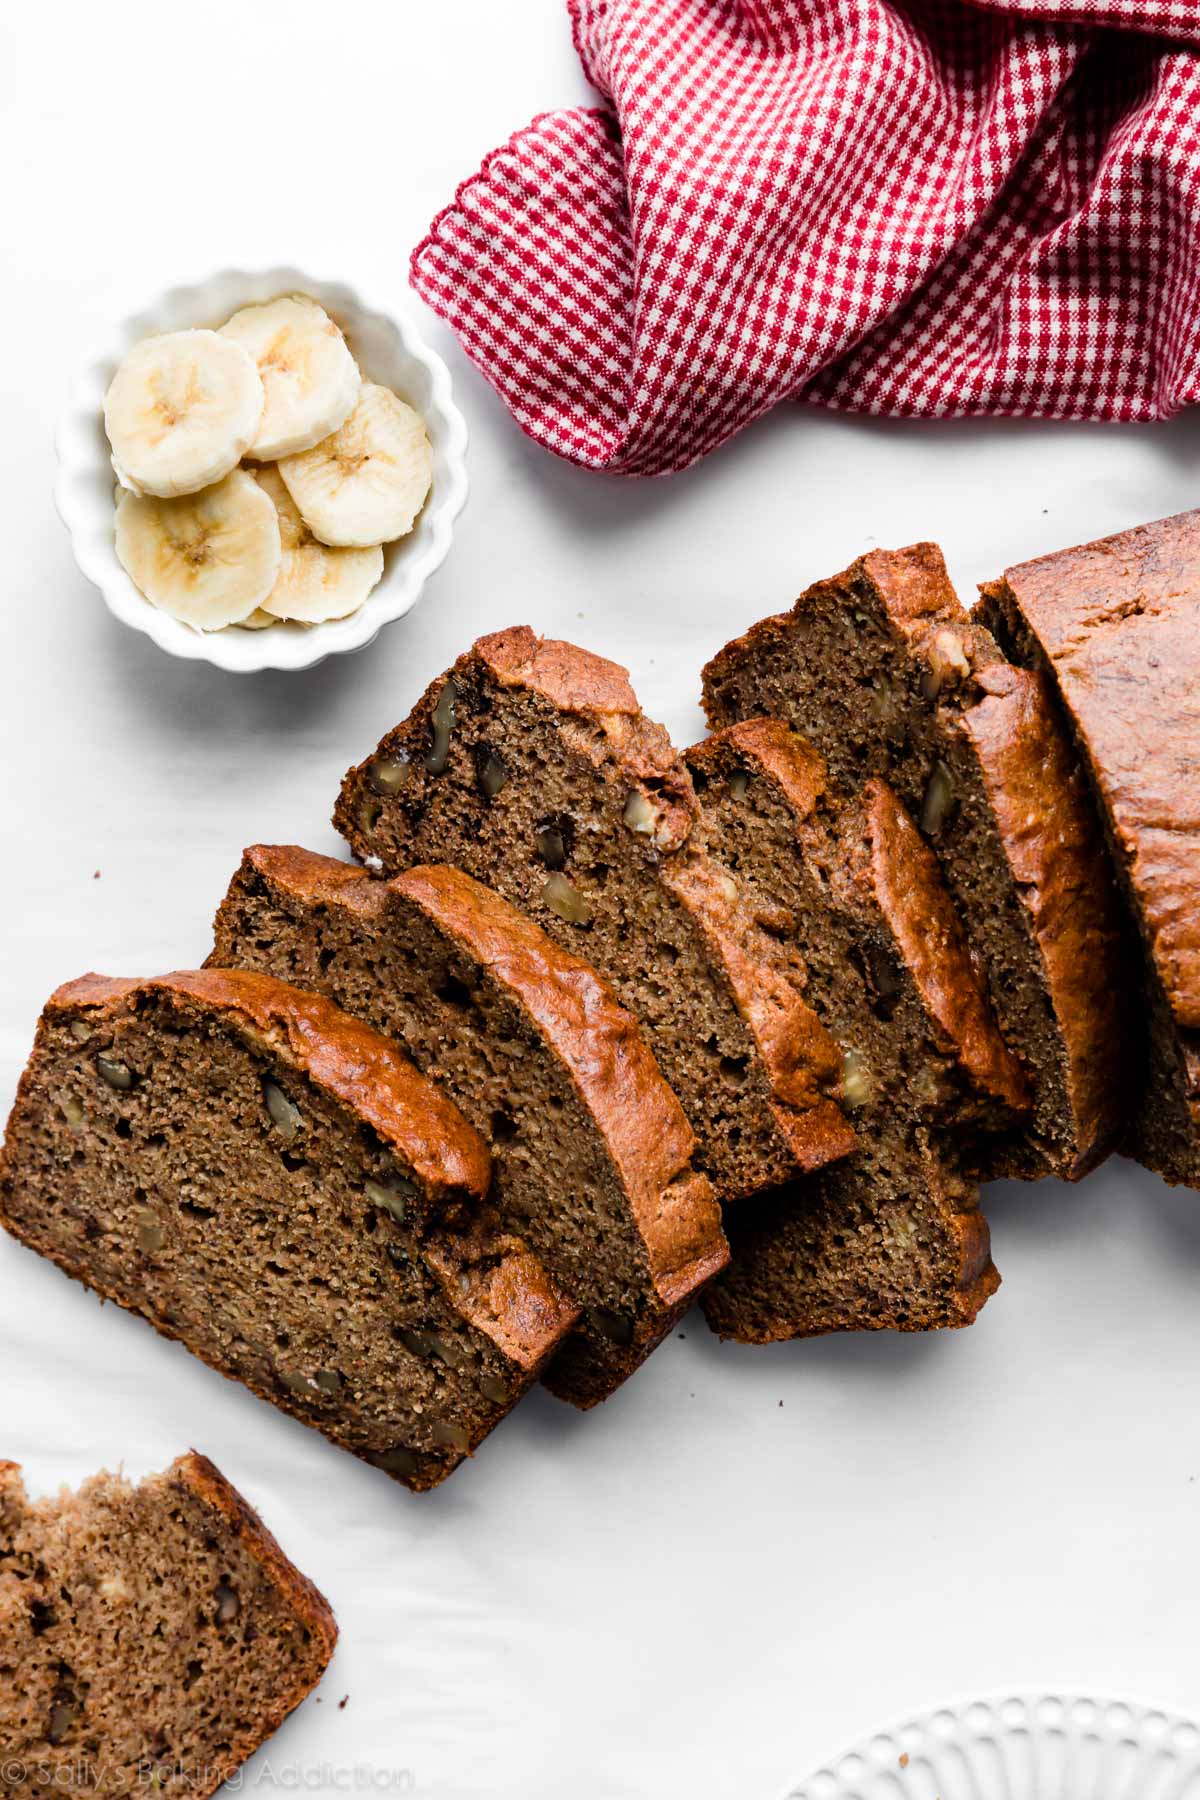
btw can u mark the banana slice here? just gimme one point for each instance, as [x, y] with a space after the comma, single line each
[181, 412]
[310, 377]
[367, 483]
[209, 559]
[257, 621]
[315, 582]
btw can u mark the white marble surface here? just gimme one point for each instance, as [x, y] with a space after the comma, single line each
[749, 1557]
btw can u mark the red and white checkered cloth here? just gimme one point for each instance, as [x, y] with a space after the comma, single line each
[919, 207]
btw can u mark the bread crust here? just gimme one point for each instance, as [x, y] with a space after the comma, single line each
[595, 1039]
[508, 1295]
[355, 1065]
[602, 721]
[1118, 623]
[611, 1067]
[1051, 839]
[195, 1475]
[916, 902]
[202, 1478]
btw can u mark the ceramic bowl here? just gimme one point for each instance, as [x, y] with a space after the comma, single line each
[388, 350]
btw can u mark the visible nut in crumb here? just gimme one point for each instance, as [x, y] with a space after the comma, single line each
[641, 815]
[728, 886]
[393, 1196]
[739, 781]
[298, 1383]
[329, 1382]
[150, 1234]
[421, 1343]
[228, 1604]
[563, 898]
[115, 1589]
[939, 802]
[450, 1436]
[390, 774]
[286, 1118]
[883, 701]
[72, 1111]
[552, 840]
[398, 1461]
[493, 1389]
[81, 1030]
[117, 1074]
[490, 771]
[444, 720]
[857, 1086]
[63, 1719]
[948, 664]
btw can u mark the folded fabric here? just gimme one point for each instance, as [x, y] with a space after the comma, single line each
[916, 207]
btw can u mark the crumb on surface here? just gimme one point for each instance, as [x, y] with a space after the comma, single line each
[342, 1702]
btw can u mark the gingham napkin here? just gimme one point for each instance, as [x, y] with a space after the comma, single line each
[919, 207]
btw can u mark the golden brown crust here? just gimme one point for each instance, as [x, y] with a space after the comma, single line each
[354, 1064]
[923, 605]
[1042, 813]
[600, 720]
[202, 1478]
[908, 885]
[572, 679]
[1118, 622]
[587, 1030]
[788, 758]
[498, 1285]
[610, 1065]
[802, 1062]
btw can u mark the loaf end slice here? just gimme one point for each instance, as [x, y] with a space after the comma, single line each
[591, 1150]
[272, 1183]
[531, 766]
[884, 672]
[1114, 627]
[230, 1637]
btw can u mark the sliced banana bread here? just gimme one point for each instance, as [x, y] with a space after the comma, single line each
[881, 668]
[151, 1637]
[893, 1235]
[531, 766]
[275, 1185]
[590, 1148]
[1115, 626]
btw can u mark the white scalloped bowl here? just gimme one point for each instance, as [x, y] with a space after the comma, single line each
[388, 350]
[1023, 1747]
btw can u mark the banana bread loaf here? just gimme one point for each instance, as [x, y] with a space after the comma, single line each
[1115, 626]
[590, 1148]
[275, 1185]
[892, 1236]
[531, 766]
[151, 1637]
[881, 668]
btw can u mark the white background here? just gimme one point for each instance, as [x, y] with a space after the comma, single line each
[748, 1557]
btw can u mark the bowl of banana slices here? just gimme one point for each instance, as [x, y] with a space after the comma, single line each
[261, 470]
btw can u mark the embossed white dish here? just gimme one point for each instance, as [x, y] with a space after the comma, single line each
[1025, 1747]
[388, 350]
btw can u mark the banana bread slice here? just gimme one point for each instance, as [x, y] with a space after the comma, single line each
[151, 1637]
[893, 1235]
[531, 766]
[590, 1148]
[275, 1185]
[884, 672]
[1115, 627]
